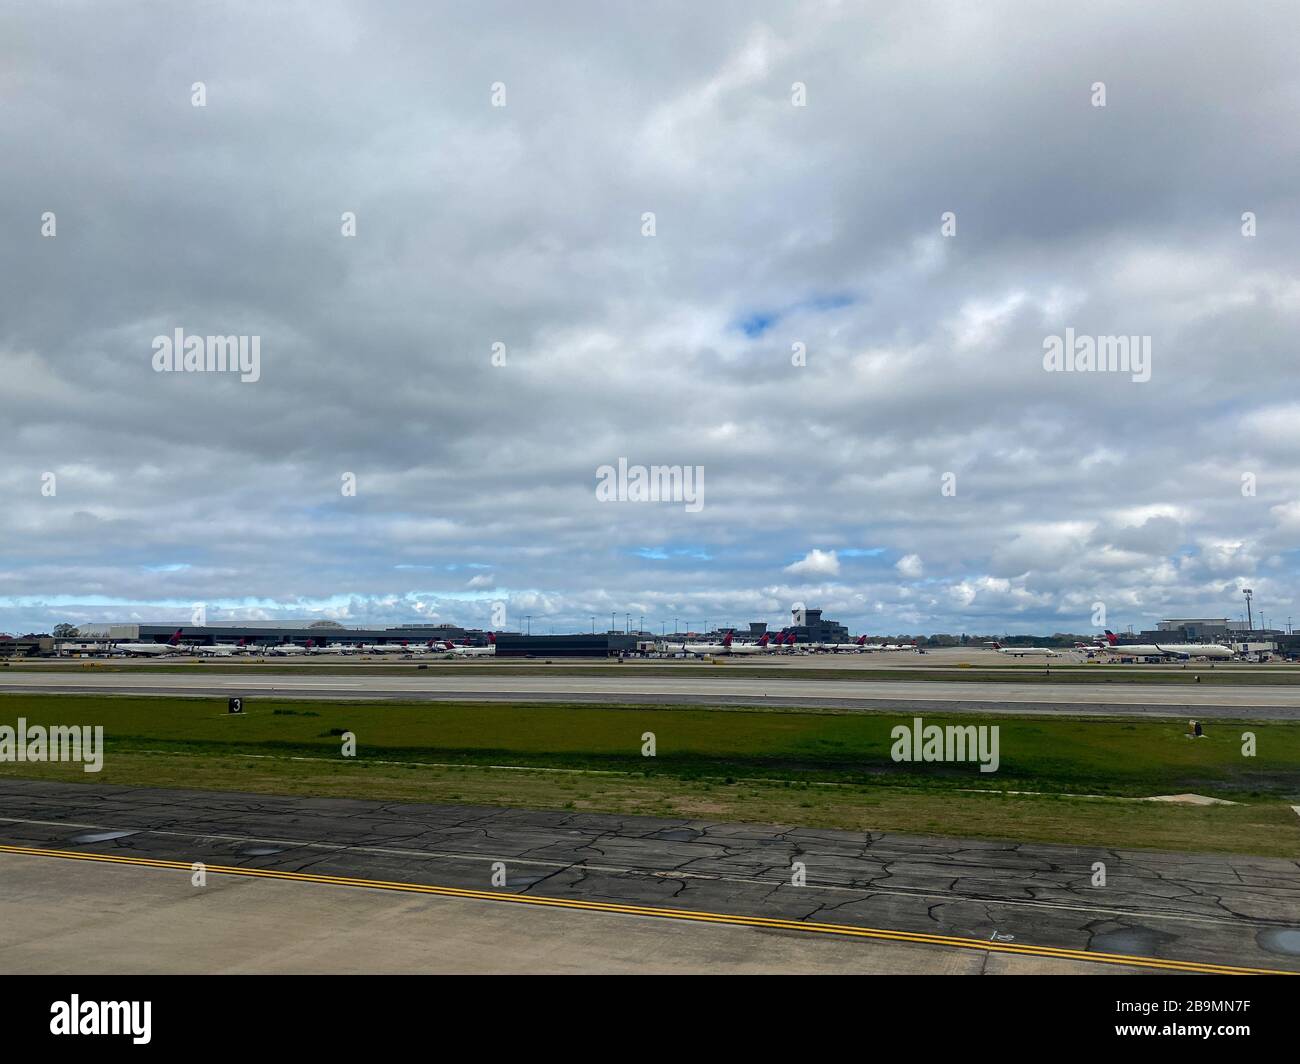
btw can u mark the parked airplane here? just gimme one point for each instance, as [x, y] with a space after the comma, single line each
[285, 650]
[706, 650]
[1025, 652]
[331, 648]
[1168, 650]
[446, 646]
[142, 650]
[729, 646]
[474, 652]
[221, 650]
[763, 646]
[858, 646]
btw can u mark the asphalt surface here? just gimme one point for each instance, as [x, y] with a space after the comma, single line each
[52, 921]
[1264, 703]
[1215, 909]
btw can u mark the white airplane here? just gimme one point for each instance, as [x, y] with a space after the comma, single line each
[383, 648]
[488, 651]
[1168, 650]
[1025, 652]
[707, 650]
[763, 646]
[150, 650]
[221, 650]
[858, 646]
[330, 648]
[285, 650]
[728, 646]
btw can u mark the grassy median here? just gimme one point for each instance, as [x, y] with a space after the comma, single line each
[813, 767]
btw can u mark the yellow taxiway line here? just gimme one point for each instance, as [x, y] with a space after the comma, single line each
[846, 930]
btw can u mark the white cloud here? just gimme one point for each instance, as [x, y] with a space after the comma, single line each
[816, 563]
[910, 566]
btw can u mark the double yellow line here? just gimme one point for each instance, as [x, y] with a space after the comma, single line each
[845, 930]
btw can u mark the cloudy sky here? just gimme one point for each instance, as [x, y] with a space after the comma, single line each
[915, 469]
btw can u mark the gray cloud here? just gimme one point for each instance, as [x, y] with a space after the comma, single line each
[776, 226]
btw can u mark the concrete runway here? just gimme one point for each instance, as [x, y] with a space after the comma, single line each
[1160, 700]
[984, 898]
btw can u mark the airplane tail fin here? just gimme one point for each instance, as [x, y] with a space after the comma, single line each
[726, 641]
[763, 642]
[492, 639]
[1111, 637]
[861, 641]
[176, 637]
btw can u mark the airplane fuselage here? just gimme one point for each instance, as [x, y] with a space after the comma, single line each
[1169, 650]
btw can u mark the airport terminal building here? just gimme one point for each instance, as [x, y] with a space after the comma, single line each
[509, 644]
[91, 639]
[601, 645]
[208, 635]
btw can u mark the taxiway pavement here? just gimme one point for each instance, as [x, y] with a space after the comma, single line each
[1170, 909]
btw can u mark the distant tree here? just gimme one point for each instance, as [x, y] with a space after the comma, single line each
[325, 624]
[66, 631]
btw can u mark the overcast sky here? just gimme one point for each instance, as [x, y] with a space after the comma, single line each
[774, 225]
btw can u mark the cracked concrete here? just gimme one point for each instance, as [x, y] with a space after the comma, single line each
[1195, 907]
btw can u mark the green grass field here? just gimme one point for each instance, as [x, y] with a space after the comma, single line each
[814, 767]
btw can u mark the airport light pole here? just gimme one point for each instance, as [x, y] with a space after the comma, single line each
[1250, 619]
